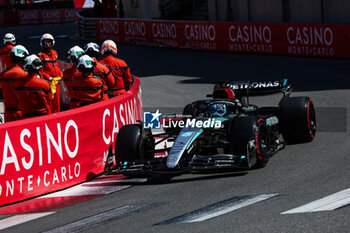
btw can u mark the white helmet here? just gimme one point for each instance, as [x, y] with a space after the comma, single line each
[92, 49]
[86, 64]
[32, 63]
[19, 51]
[47, 36]
[9, 38]
[109, 46]
[74, 53]
[92, 46]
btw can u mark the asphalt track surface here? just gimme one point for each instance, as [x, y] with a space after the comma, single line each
[295, 176]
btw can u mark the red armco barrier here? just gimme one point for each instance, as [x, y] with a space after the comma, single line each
[316, 40]
[47, 16]
[25, 17]
[53, 152]
[8, 18]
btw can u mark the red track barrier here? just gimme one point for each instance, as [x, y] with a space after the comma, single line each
[316, 40]
[27, 17]
[53, 152]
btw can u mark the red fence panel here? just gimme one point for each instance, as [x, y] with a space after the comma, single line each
[10, 18]
[29, 17]
[296, 39]
[26, 17]
[49, 153]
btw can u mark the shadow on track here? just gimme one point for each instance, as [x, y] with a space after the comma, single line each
[162, 179]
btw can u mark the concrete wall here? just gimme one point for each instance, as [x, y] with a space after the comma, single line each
[218, 10]
[308, 11]
[240, 10]
[305, 11]
[260, 10]
[143, 9]
[266, 10]
[337, 11]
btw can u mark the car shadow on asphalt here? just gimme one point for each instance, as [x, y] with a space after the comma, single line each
[172, 179]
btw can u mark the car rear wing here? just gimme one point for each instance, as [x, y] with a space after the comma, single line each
[240, 89]
[261, 87]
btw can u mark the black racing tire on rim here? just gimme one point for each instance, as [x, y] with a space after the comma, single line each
[128, 143]
[147, 144]
[245, 129]
[297, 119]
[188, 110]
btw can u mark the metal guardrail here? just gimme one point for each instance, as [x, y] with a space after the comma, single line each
[169, 7]
[87, 27]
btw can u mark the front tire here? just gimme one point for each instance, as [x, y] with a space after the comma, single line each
[247, 129]
[128, 143]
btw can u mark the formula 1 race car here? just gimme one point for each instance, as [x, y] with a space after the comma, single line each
[219, 134]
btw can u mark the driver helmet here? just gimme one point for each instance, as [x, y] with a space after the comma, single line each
[32, 63]
[9, 38]
[18, 53]
[74, 53]
[109, 46]
[45, 39]
[86, 64]
[92, 49]
[217, 110]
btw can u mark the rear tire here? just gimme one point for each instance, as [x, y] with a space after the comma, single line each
[297, 119]
[188, 110]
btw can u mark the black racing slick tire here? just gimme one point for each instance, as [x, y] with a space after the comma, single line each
[128, 143]
[248, 131]
[188, 110]
[297, 119]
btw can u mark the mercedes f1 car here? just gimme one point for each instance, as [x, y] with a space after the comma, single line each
[219, 134]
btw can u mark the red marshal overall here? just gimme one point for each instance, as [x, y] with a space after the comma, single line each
[51, 69]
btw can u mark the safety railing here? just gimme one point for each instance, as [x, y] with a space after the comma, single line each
[87, 29]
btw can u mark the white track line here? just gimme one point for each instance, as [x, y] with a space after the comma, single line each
[230, 208]
[328, 203]
[90, 222]
[62, 36]
[218, 209]
[34, 37]
[21, 218]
